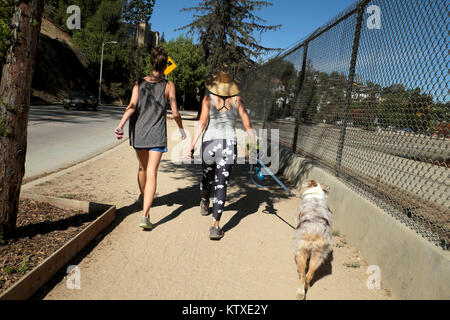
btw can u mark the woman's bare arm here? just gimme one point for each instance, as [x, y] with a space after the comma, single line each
[128, 111]
[173, 104]
[245, 119]
[201, 124]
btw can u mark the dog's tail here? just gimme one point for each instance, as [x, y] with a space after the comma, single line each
[314, 244]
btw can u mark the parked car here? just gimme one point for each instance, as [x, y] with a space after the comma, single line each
[80, 99]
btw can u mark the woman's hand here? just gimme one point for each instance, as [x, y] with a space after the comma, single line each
[190, 154]
[253, 150]
[119, 133]
[182, 133]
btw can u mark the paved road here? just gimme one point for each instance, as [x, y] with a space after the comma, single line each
[58, 138]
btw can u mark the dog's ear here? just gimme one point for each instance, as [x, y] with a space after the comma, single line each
[325, 188]
[309, 184]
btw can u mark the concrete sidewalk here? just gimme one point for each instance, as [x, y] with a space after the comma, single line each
[177, 260]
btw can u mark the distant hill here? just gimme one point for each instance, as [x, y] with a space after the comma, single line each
[60, 67]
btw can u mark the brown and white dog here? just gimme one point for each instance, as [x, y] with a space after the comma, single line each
[313, 234]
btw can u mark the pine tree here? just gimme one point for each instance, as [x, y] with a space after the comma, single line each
[138, 11]
[226, 29]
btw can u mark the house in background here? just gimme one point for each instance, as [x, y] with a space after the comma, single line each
[142, 35]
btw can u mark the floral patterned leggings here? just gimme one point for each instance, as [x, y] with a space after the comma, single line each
[218, 157]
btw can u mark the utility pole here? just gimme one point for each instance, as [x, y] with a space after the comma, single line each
[101, 71]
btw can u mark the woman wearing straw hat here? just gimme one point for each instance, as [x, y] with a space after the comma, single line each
[220, 106]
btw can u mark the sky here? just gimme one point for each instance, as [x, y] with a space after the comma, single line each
[299, 18]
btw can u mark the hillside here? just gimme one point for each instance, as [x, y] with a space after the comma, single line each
[60, 67]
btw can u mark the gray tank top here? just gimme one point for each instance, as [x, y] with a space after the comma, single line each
[222, 124]
[147, 128]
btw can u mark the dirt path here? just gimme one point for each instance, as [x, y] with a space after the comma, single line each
[177, 260]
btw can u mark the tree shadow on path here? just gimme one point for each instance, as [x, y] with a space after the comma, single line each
[188, 198]
[246, 200]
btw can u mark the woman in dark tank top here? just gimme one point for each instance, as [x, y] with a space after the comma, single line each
[147, 127]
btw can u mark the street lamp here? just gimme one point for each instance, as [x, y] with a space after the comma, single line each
[101, 70]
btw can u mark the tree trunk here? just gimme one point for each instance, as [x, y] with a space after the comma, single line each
[15, 94]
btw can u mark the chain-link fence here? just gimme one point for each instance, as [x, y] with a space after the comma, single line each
[366, 96]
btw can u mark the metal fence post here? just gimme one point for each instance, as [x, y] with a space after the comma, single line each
[300, 87]
[265, 99]
[351, 78]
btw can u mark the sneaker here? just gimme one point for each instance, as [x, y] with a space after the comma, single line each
[204, 206]
[215, 233]
[145, 223]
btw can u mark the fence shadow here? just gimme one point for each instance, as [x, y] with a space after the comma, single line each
[294, 177]
[246, 200]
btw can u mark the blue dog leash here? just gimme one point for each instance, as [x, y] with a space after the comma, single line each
[271, 174]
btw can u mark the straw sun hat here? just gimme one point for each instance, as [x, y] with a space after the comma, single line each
[222, 84]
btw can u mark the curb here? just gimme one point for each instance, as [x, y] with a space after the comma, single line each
[69, 169]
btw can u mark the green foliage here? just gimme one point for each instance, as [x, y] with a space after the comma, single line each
[10, 270]
[7, 106]
[138, 11]
[284, 83]
[191, 71]
[56, 11]
[395, 107]
[324, 99]
[226, 30]
[352, 264]
[123, 62]
[102, 21]
[116, 90]
[24, 266]
[5, 131]
[102, 27]
[6, 11]
[22, 269]
[403, 108]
